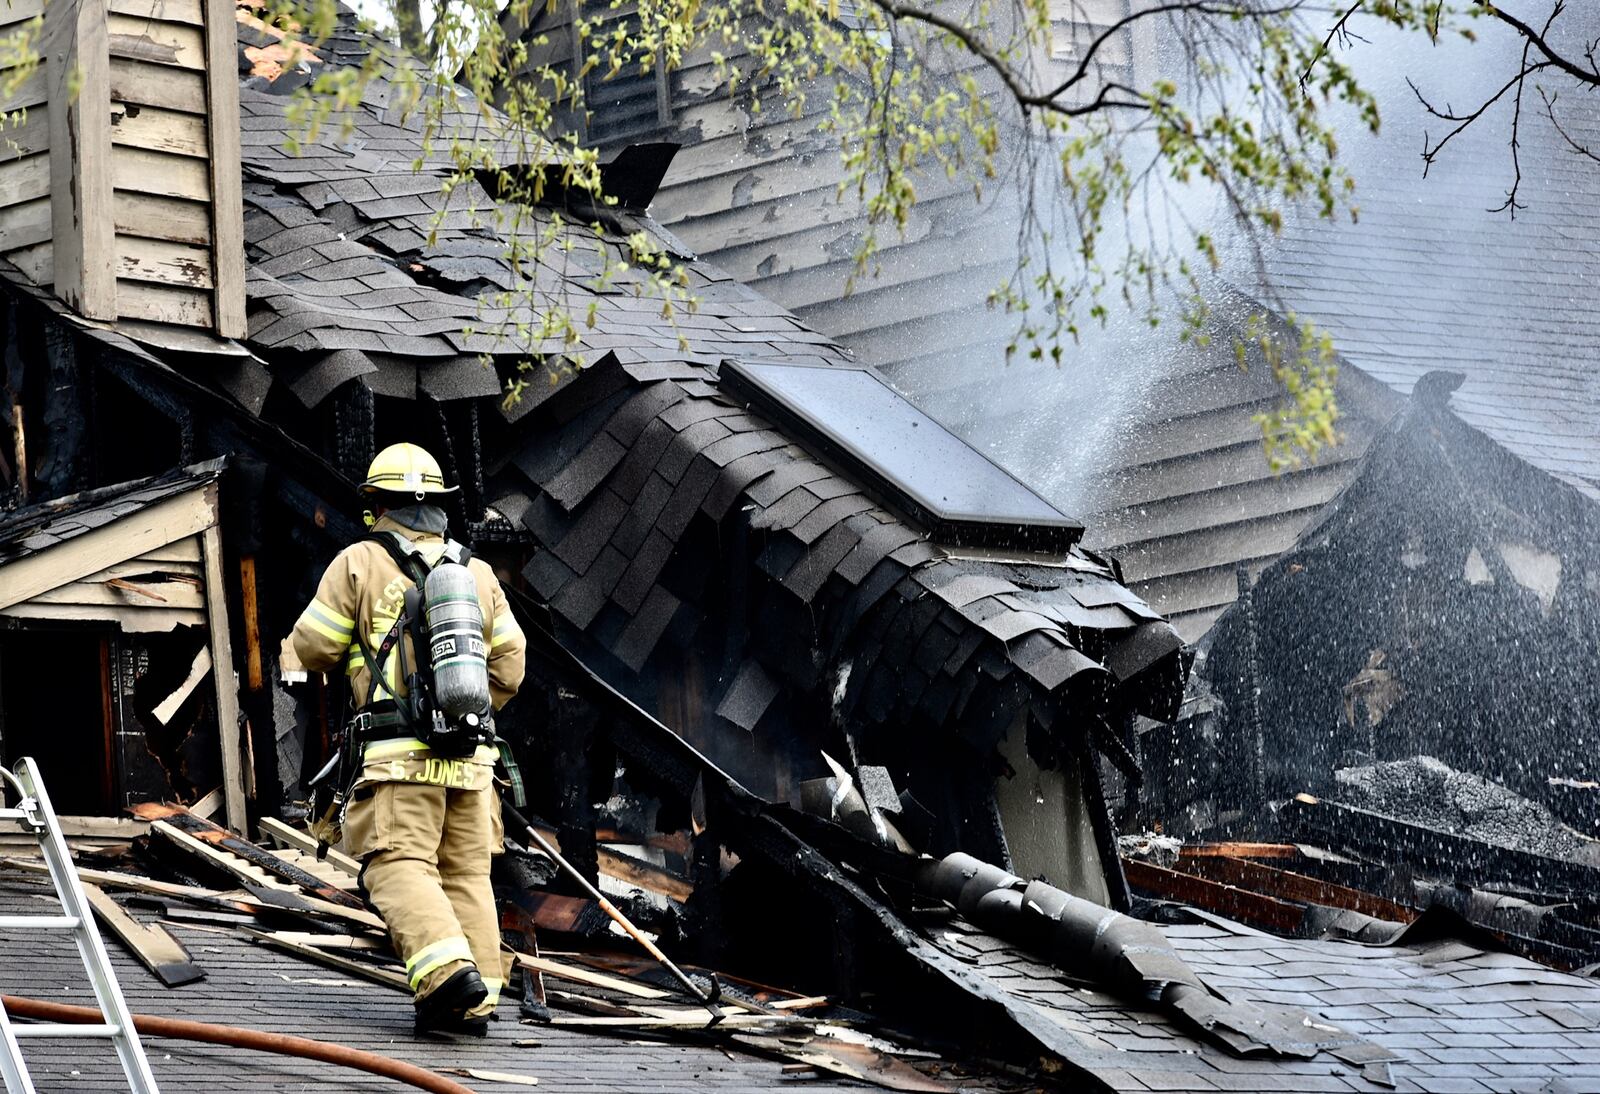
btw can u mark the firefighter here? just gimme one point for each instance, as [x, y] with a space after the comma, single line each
[424, 826]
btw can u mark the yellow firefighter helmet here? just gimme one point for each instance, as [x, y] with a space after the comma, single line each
[405, 469]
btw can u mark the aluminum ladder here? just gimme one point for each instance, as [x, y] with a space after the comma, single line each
[32, 814]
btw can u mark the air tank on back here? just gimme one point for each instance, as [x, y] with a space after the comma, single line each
[455, 625]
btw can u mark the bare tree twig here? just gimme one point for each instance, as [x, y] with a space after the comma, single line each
[1536, 38]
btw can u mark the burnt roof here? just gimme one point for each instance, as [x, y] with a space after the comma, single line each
[654, 494]
[35, 528]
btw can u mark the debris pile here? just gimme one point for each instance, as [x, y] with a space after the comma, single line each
[1426, 791]
[290, 899]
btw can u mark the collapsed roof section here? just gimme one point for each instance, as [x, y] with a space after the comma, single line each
[676, 524]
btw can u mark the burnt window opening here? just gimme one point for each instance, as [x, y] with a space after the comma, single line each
[851, 417]
[83, 700]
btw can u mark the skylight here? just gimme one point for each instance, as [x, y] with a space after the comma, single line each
[912, 462]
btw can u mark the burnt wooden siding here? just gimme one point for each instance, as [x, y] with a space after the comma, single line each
[123, 194]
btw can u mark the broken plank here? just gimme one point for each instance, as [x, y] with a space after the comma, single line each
[121, 828]
[215, 836]
[134, 620]
[581, 975]
[132, 882]
[309, 907]
[167, 709]
[803, 1003]
[1288, 885]
[305, 842]
[1239, 850]
[209, 805]
[222, 863]
[156, 41]
[643, 875]
[389, 978]
[1247, 907]
[692, 1019]
[156, 950]
[319, 868]
[332, 941]
[563, 914]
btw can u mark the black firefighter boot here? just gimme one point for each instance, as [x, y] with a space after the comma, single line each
[444, 1010]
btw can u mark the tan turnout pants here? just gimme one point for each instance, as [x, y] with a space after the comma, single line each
[425, 852]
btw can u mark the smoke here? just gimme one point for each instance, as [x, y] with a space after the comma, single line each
[1428, 276]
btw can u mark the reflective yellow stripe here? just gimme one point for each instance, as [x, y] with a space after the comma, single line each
[494, 987]
[505, 629]
[388, 750]
[310, 620]
[437, 956]
[331, 617]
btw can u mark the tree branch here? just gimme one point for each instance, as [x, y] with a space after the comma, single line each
[1027, 98]
[1588, 76]
[1431, 151]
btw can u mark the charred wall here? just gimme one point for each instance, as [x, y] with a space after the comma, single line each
[1447, 604]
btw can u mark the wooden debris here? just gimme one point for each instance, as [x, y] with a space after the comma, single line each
[333, 941]
[310, 907]
[497, 1076]
[1253, 908]
[690, 1019]
[390, 977]
[580, 975]
[631, 871]
[112, 880]
[1288, 885]
[156, 950]
[209, 805]
[167, 709]
[306, 843]
[174, 819]
[564, 914]
[1239, 850]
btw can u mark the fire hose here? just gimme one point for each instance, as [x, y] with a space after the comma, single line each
[281, 1043]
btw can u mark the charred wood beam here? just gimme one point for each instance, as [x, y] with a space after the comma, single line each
[1443, 855]
[445, 446]
[61, 466]
[572, 733]
[1288, 885]
[472, 438]
[355, 418]
[1254, 760]
[1254, 909]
